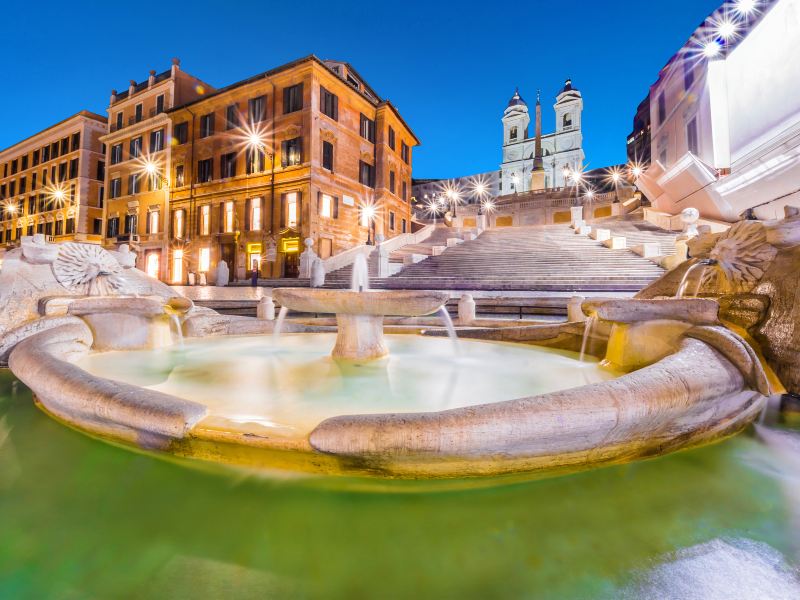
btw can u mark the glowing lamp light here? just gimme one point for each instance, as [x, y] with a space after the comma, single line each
[590, 194]
[58, 195]
[636, 171]
[488, 206]
[254, 139]
[727, 29]
[615, 177]
[712, 49]
[480, 189]
[745, 7]
[150, 168]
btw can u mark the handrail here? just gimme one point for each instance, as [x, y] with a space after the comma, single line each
[346, 258]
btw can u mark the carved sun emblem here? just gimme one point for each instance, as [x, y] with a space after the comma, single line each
[88, 269]
[742, 254]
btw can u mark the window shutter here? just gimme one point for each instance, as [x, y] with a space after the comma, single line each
[319, 202]
[263, 201]
[284, 154]
[300, 209]
[248, 209]
[222, 217]
[283, 211]
[336, 107]
[199, 226]
[336, 207]
[300, 95]
[130, 184]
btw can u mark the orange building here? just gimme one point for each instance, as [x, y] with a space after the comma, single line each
[138, 158]
[305, 150]
[52, 183]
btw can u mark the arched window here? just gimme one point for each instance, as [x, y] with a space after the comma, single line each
[567, 120]
[512, 134]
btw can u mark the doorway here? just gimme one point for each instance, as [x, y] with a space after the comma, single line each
[227, 254]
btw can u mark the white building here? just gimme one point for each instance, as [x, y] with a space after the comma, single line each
[560, 150]
[725, 115]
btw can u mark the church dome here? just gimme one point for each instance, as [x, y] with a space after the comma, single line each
[568, 92]
[516, 100]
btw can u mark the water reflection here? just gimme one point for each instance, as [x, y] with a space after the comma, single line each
[86, 519]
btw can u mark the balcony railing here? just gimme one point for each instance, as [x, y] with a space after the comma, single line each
[127, 238]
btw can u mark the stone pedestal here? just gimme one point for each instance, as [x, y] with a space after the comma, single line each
[576, 214]
[266, 309]
[574, 311]
[601, 235]
[466, 309]
[317, 273]
[307, 259]
[359, 337]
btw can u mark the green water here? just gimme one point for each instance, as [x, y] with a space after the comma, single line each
[83, 519]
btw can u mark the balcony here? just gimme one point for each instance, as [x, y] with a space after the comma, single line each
[128, 238]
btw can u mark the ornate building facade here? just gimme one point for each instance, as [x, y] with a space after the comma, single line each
[52, 183]
[563, 149]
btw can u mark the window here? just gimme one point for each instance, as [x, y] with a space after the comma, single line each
[391, 220]
[405, 153]
[391, 138]
[152, 221]
[25, 162]
[35, 156]
[178, 224]
[391, 181]
[131, 224]
[62, 171]
[227, 217]
[227, 165]
[53, 150]
[181, 132]
[367, 128]
[14, 165]
[403, 230]
[326, 206]
[566, 120]
[76, 141]
[100, 174]
[691, 136]
[116, 154]
[204, 260]
[134, 183]
[97, 227]
[231, 117]
[404, 195]
[207, 125]
[662, 154]
[254, 159]
[292, 212]
[100, 196]
[179, 177]
[327, 156]
[205, 219]
[328, 103]
[45, 154]
[512, 133]
[22, 185]
[59, 226]
[293, 98]
[119, 120]
[73, 168]
[64, 146]
[33, 182]
[257, 109]
[688, 73]
[366, 173]
[662, 108]
[254, 214]
[156, 140]
[12, 188]
[153, 264]
[177, 266]
[136, 147]
[292, 152]
[159, 104]
[205, 170]
[138, 113]
[48, 228]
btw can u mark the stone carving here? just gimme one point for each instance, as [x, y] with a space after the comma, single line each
[37, 251]
[125, 257]
[307, 258]
[742, 255]
[88, 268]
[689, 217]
[223, 274]
[317, 273]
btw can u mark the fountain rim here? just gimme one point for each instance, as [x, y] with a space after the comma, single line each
[351, 302]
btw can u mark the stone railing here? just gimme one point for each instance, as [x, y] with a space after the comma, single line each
[673, 222]
[404, 239]
[345, 258]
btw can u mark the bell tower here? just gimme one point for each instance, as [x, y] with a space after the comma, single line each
[515, 130]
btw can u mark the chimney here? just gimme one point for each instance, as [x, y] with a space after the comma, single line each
[152, 79]
[131, 87]
[113, 96]
[176, 66]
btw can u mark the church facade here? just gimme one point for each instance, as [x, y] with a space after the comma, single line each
[538, 162]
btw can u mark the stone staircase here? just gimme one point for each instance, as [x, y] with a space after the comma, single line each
[402, 256]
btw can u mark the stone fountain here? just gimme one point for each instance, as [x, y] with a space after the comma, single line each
[689, 371]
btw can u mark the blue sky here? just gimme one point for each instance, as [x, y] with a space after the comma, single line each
[449, 68]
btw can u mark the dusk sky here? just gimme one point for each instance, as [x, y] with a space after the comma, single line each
[449, 68]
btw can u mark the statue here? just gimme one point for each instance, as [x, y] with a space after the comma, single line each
[223, 274]
[125, 257]
[307, 259]
[317, 273]
[89, 269]
[37, 251]
[689, 217]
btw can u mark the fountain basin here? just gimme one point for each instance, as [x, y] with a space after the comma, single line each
[359, 315]
[694, 311]
[400, 303]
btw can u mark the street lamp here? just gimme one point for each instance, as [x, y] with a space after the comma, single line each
[368, 215]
